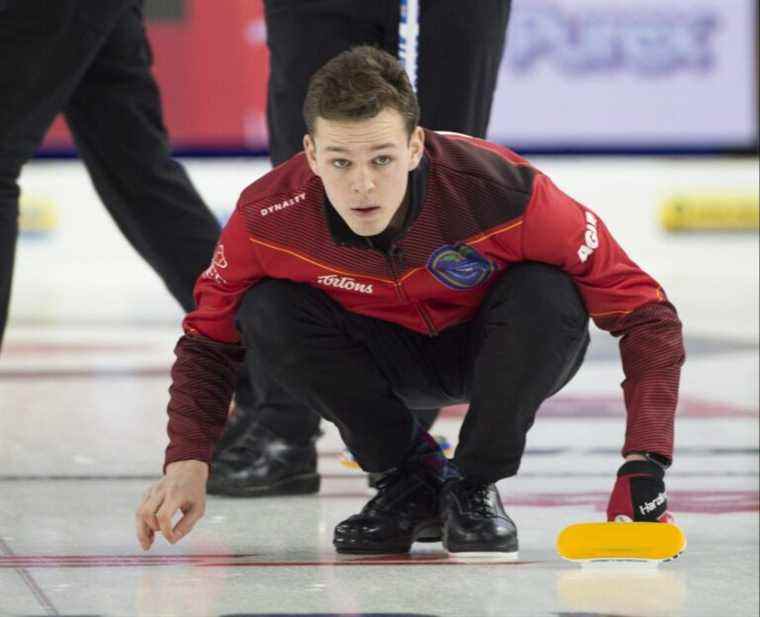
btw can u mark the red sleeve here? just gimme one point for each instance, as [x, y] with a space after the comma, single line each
[220, 289]
[203, 379]
[205, 372]
[622, 299]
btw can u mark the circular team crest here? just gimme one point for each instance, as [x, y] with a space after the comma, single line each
[459, 266]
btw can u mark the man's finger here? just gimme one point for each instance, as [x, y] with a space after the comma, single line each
[148, 511]
[191, 516]
[145, 534]
[164, 516]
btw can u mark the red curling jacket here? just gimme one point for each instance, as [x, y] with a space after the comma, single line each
[475, 208]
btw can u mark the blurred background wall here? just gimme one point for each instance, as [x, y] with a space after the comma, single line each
[578, 76]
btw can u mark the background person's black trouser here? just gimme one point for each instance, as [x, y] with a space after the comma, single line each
[460, 50]
[525, 343]
[91, 61]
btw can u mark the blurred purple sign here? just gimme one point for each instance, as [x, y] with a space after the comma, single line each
[633, 74]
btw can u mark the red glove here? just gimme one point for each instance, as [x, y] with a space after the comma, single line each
[639, 494]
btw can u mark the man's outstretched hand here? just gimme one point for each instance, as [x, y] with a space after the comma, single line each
[183, 489]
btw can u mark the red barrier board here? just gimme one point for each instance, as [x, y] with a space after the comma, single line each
[212, 67]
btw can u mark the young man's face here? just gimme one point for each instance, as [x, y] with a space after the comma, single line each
[363, 165]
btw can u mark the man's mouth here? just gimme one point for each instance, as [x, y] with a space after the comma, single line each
[365, 210]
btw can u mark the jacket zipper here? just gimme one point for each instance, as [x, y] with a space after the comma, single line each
[401, 293]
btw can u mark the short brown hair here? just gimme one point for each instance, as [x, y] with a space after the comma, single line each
[358, 84]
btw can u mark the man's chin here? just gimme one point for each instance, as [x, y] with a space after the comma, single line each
[366, 229]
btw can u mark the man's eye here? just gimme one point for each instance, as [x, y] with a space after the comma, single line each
[383, 159]
[340, 163]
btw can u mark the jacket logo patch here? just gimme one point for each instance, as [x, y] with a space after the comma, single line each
[459, 266]
[219, 262]
[345, 282]
[591, 238]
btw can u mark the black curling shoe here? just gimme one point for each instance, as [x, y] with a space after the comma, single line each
[474, 520]
[260, 464]
[404, 511]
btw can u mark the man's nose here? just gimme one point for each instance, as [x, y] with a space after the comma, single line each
[362, 181]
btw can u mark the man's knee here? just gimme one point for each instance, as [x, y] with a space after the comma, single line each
[543, 295]
[276, 314]
[265, 311]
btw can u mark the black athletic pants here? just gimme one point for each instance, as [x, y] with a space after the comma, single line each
[91, 60]
[525, 343]
[460, 48]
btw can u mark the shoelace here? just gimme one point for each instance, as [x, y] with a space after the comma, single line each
[388, 489]
[476, 499]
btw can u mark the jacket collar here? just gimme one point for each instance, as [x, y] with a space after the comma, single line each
[342, 234]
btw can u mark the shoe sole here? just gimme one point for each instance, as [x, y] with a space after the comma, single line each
[482, 550]
[485, 555]
[425, 532]
[304, 484]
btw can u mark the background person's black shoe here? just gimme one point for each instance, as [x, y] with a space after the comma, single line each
[260, 464]
[404, 511]
[237, 421]
[474, 520]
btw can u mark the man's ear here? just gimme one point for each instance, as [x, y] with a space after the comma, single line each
[416, 147]
[310, 148]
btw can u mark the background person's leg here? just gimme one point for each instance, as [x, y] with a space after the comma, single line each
[460, 50]
[301, 37]
[527, 341]
[46, 49]
[9, 212]
[115, 116]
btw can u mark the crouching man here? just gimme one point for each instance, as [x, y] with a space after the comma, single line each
[388, 268]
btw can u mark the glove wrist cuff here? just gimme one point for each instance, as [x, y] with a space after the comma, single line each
[641, 467]
[654, 457]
